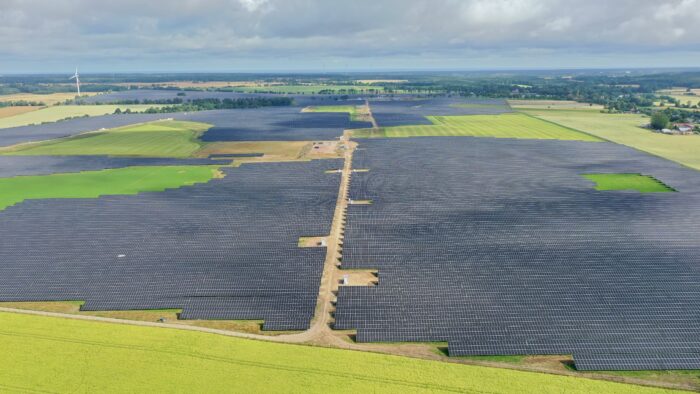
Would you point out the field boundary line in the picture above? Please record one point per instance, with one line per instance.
(617, 143)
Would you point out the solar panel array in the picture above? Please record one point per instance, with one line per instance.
(410, 110)
(47, 131)
(163, 94)
(274, 124)
(256, 124)
(222, 250)
(500, 247)
(44, 165)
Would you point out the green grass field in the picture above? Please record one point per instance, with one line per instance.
(476, 105)
(46, 354)
(495, 126)
(553, 104)
(92, 184)
(348, 109)
(637, 182)
(156, 139)
(60, 112)
(683, 99)
(625, 129)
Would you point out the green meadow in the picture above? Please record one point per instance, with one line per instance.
(93, 184)
(493, 126)
(156, 139)
(47, 354)
(60, 112)
(349, 109)
(627, 129)
(636, 182)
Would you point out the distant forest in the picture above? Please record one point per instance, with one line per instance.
(618, 90)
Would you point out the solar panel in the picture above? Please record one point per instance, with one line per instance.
(499, 246)
(222, 250)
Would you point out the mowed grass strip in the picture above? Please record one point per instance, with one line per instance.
(626, 129)
(155, 139)
(60, 112)
(553, 104)
(351, 110)
(518, 126)
(93, 184)
(61, 355)
(637, 182)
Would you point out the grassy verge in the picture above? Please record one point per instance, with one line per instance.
(170, 316)
(553, 104)
(477, 105)
(626, 129)
(155, 139)
(637, 182)
(358, 113)
(61, 355)
(494, 126)
(272, 150)
(92, 184)
(60, 112)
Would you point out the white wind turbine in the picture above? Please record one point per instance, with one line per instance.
(77, 80)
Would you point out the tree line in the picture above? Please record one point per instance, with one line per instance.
(178, 105)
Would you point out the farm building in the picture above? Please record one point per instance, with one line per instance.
(684, 128)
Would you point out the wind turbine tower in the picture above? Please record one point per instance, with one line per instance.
(77, 80)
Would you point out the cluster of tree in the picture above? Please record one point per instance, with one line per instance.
(678, 103)
(15, 88)
(173, 101)
(663, 118)
(22, 103)
(630, 103)
(213, 103)
(659, 120)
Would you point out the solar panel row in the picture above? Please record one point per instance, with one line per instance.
(222, 250)
(501, 247)
(413, 110)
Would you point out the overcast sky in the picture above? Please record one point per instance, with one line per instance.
(345, 35)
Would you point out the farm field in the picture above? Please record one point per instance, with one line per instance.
(199, 84)
(636, 182)
(681, 94)
(350, 109)
(93, 184)
(48, 99)
(358, 113)
(626, 129)
(517, 126)
(60, 112)
(272, 150)
(683, 99)
(108, 357)
(552, 104)
(306, 89)
(155, 139)
(475, 105)
(6, 112)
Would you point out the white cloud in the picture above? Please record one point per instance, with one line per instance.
(252, 5)
(309, 31)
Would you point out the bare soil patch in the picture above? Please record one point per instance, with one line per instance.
(6, 112)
